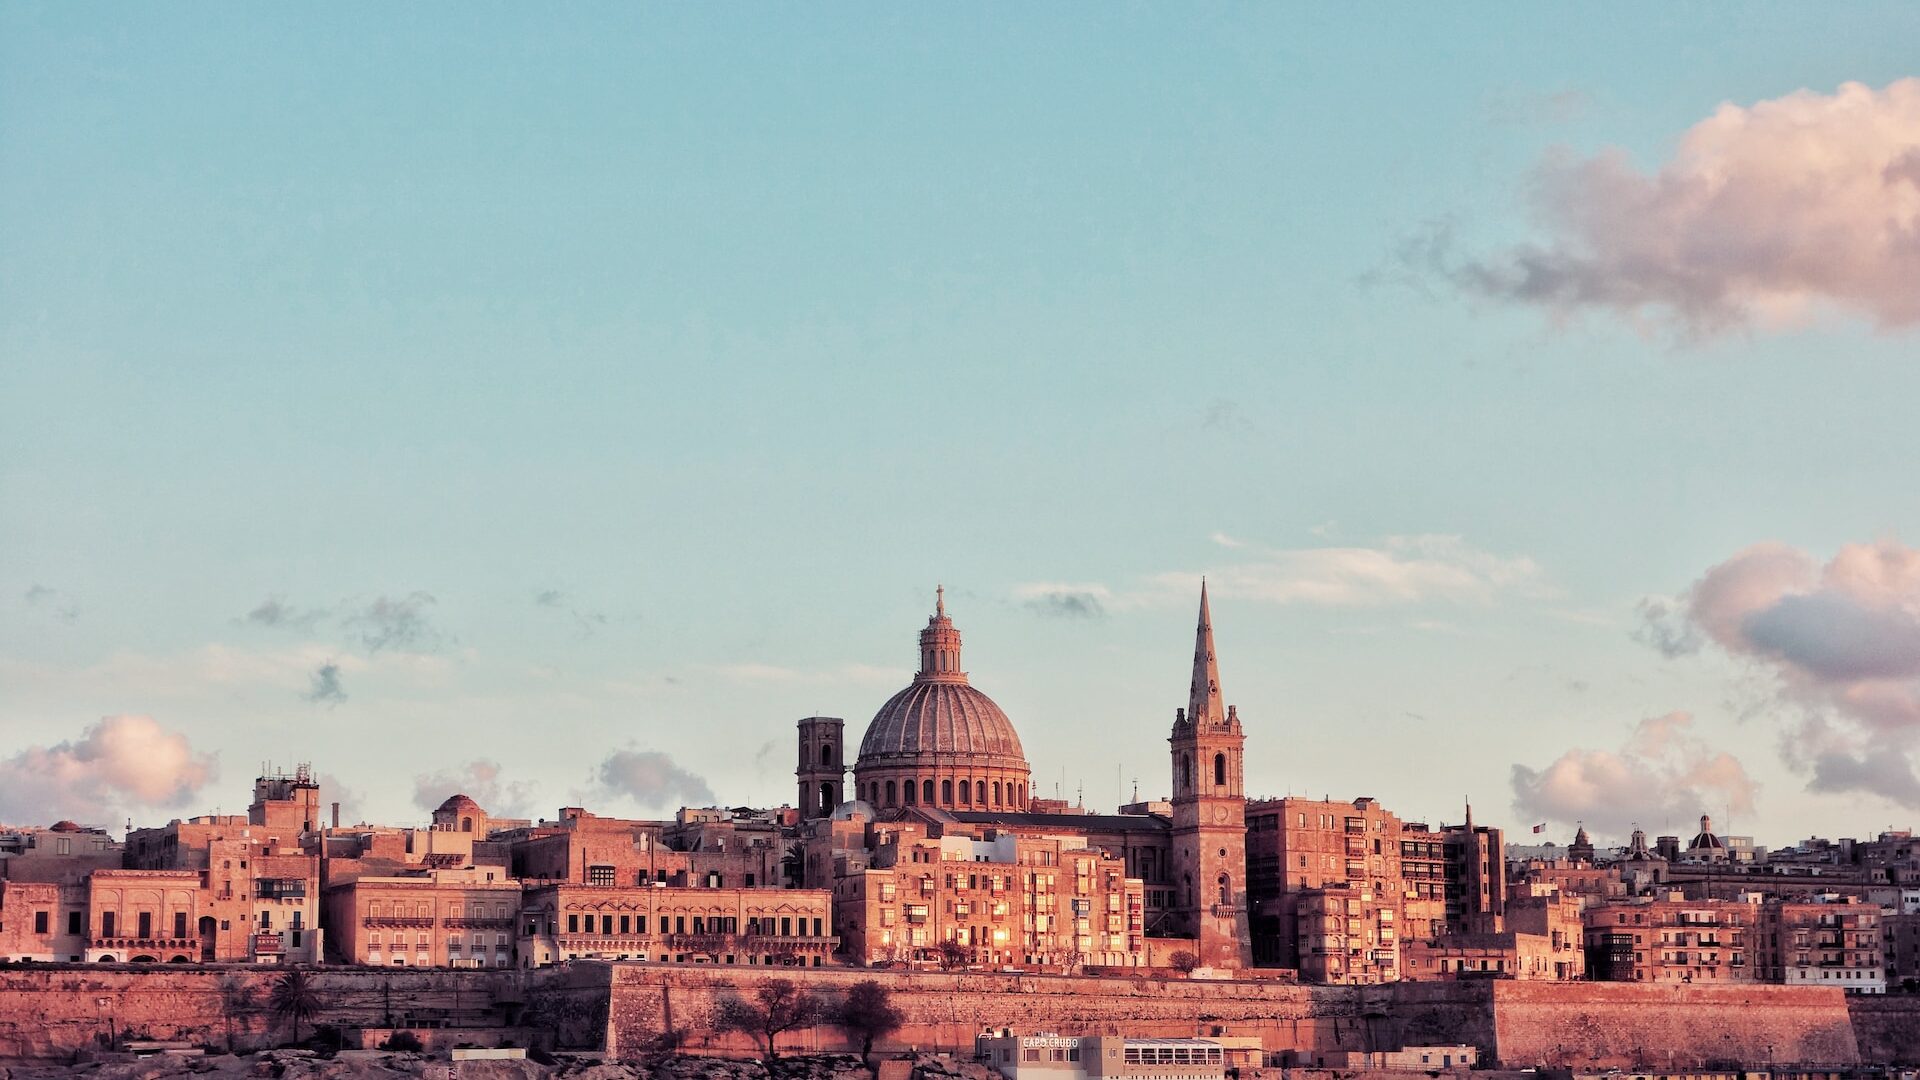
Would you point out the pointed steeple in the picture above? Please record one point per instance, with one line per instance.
(1204, 704)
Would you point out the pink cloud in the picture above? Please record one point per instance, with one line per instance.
(1842, 642)
(120, 765)
(1663, 774)
(1763, 214)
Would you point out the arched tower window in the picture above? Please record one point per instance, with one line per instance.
(826, 798)
(996, 793)
(826, 754)
(926, 788)
(889, 793)
(909, 793)
(966, 792)
(1186, 772)
(1219, 770)
(980, 792)
(466, 824)
(1226, 889)
(946, 793)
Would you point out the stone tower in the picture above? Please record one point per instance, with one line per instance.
(823, 765)
(1210, 814)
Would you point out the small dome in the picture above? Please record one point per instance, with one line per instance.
(854, 808)
(1706, 840)
(1580, 836)
(457, 802)
(63, 825)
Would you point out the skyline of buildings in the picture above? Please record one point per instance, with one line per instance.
(937, 854)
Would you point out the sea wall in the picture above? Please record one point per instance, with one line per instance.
(49, 1012)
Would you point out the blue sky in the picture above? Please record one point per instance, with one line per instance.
(618, 377)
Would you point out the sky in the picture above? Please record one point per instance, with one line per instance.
(557, 403)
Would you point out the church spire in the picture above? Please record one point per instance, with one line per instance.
(1204, 705)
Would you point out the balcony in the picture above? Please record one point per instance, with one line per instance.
(398, 922)
(478, 924)
(158, 944)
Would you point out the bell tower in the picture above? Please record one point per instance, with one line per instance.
(822, 773)
(1210, 814)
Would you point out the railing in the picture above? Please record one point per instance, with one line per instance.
(405, 922)
(145, 943)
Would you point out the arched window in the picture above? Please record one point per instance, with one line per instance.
(910, 793)
(466, 824)
(966, 792)
(826, 798)
(926, 788)
(826, 754)
(889, 793)
(980, 792)
(1219, 770)
(713, 879)
(1186, 772)
(1226, 889)
(946, 793)
(996, 793)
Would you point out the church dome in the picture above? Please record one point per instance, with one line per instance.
(944, 718)
(940, 741)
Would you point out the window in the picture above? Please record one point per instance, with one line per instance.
(76, 923)
(600, 875)
(39, 922)
(180, 923)
(946, 793)
(926, 789)
(1219, 770)
(107, 927)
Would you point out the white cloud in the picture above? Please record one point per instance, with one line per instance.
(776, 673)
(650, 779)
(482, 781)
(119, 765)
(1663, 774)
(1762, 214)
(1842, 643)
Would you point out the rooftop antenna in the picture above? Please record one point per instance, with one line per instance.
(1136, 789)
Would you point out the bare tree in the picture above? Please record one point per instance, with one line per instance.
(868, 1013)
(1183, 961)
(777, 1006)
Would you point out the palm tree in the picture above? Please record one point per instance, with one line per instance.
(294, 999)
(236, 1000)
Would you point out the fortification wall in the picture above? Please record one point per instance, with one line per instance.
(46, 1013)
(1623, 1025)
(945, 1011)
(1513, 1023)
(49, 1012)
(1887, 1028)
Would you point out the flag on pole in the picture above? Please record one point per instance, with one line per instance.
(1540, 828)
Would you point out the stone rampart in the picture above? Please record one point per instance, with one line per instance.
(1513, 1023)
(1608, 1025)
(49, 1012)
(1887, 1028)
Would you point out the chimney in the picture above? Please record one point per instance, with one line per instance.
(336, 815)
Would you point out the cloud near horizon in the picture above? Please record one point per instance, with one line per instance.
(1764, 214)
(1400, 570)
(1842, 643)
(650, 779)
(1663, 777)
(119, 764)
(482, 781)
